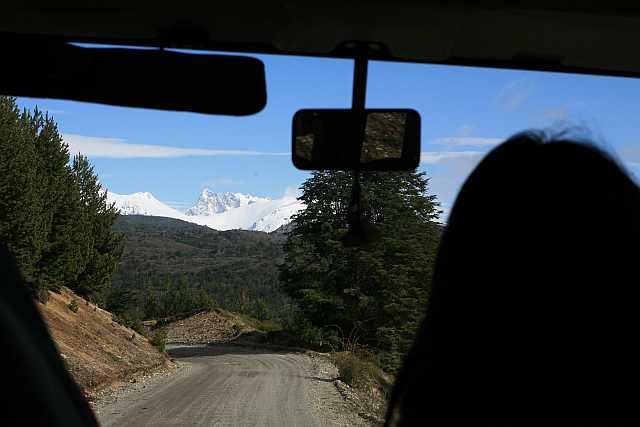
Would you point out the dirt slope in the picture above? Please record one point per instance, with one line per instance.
(215, 326)
(202, 328)
(97, 351)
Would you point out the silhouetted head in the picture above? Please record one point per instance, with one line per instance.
(534, 312)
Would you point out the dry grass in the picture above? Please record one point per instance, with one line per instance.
(97, 351)
(358, 367)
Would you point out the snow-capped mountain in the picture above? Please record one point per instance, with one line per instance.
(220, 211)
(262, 215)
(279, 215)
(211, 203)
(142, 204)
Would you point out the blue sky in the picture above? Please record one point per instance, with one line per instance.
(465, 111)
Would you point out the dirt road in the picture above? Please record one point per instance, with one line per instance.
(235, 386)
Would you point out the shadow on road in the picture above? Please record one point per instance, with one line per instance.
(219, 350)
(324, 380)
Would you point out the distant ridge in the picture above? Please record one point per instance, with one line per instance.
(220, 211)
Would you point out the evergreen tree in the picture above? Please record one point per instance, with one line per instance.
(183, 297)
(376, 292)
(168, 305)
(105, 246)
(65, 251)
(54, 217)
(204, 300)
(21, 208)
(150, 302)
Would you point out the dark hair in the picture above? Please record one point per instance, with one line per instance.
(533, 314)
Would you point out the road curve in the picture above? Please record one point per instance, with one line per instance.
(234, 386)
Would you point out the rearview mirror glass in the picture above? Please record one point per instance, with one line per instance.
(372, 139)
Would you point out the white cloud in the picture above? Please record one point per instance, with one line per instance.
(118, 148)
(448, 174)
(467, 140)
(431, 157)
(515, 94)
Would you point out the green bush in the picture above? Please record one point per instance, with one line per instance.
(136, 325)
(260, 310)
(308, 334)
(131, 322)
(73, 306)
(204, 301)
(159, 340)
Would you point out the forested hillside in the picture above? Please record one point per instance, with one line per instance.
(54, 217)
(171, 266)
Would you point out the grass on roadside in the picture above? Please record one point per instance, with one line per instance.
(159, 340)
(359, 368)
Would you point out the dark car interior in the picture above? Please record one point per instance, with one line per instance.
(87, 49)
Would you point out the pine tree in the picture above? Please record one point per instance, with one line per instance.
(378, 291)
(150, 302)
(105, 245)
(21, 210)
(204, 300)
(53, 217)
(65, 252)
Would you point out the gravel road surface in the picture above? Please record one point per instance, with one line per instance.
(229, 385)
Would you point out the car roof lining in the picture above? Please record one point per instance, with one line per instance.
(536, 35)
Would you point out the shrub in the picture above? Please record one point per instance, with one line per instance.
(308, 334)
(357, 365)
(73, 306)
(260, 310)
(360, 368)
(357, 368)
(159, 340)
(205, 302)
(134, 323)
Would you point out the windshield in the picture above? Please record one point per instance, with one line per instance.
(190, 274)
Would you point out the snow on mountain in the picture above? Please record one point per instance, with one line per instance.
(211, 203)
(263, 215)
(220, 211)
(142, 204)
(279, 216)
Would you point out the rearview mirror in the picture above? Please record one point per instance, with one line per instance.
(372, 139)
(145, 78)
